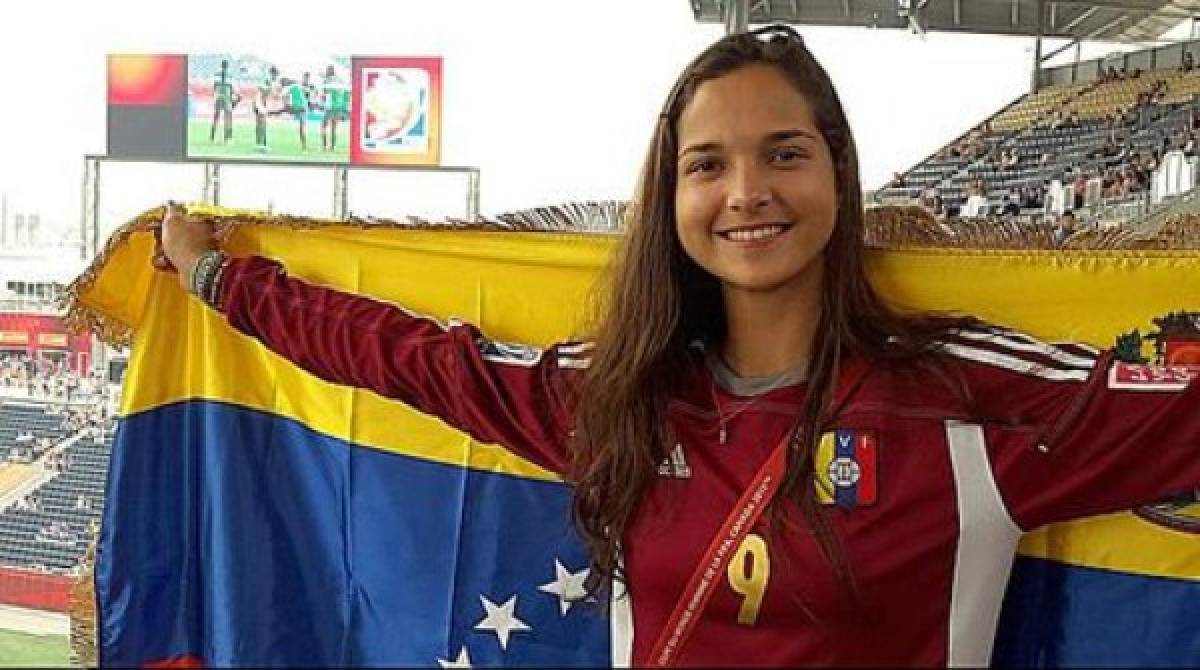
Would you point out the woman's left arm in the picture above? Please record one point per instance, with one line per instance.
(1098, 435)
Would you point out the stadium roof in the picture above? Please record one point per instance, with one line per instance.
(1091, 20)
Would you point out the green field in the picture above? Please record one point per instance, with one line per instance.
(283, 138)
(21, 650)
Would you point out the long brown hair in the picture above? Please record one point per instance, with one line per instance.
(658, 301)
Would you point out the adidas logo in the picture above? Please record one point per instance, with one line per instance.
(675, 465)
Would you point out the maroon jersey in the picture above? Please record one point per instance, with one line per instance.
(928, 490)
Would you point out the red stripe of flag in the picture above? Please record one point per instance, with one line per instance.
(864, 453)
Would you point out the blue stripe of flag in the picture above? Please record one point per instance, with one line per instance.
(247, 539)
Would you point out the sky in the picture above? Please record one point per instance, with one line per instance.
(553, 100)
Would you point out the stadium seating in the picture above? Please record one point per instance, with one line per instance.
(1034, 106)
(1058, 133)
(21, 420)
(50, 528)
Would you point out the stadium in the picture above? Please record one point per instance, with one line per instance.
(1099, 155)
(57, 421)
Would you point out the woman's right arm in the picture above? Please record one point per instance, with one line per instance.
(504, 394)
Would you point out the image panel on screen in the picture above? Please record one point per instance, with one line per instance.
(397, 111)
(258, 107)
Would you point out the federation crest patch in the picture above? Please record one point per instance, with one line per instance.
(1167, 359)
(1181, 512)
(846, 468)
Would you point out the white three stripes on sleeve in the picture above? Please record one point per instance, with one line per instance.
(1021, 353)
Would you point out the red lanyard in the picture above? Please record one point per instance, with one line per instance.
(700, 587)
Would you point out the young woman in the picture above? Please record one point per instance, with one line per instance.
(746, 363)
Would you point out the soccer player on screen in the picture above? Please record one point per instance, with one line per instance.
(224, 101)
(297, 102)
(267, 90)
(335, 97)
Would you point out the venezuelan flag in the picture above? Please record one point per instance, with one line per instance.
(259, 516)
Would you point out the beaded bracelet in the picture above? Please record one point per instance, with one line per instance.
(213, 297)
(201, 267)
(203, 281)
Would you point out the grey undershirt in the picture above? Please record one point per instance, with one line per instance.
(747, 387)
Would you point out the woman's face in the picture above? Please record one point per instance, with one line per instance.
(756, 197)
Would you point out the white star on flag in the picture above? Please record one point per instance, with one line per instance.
(567, 586)
(501, 620)
(463, 660)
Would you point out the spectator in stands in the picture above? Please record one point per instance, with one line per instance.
(976, 204)
(1110, 184)
(1150, 161)
(1033, 196)
(1012, 203)
(1009, 159)
(931, 201)
(1080, 188)
(1065, 227)
(1129, 116)
(1188, 62)
(1132, 181)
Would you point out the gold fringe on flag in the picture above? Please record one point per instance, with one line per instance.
(893, 227)
(81, 609)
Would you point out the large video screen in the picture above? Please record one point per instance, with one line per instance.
(325, 109)
(250, 106)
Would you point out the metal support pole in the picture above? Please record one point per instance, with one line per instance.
(212, 184)
(737, 16)
(341, 197)
(85, 201)
(89, 210)
(1035, 79)
(472, 195)
(95, 209)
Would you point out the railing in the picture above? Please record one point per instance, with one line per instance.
(1185, 203)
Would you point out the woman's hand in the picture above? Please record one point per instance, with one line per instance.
(182, 240)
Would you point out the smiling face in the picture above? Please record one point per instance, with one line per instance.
(756, 195)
